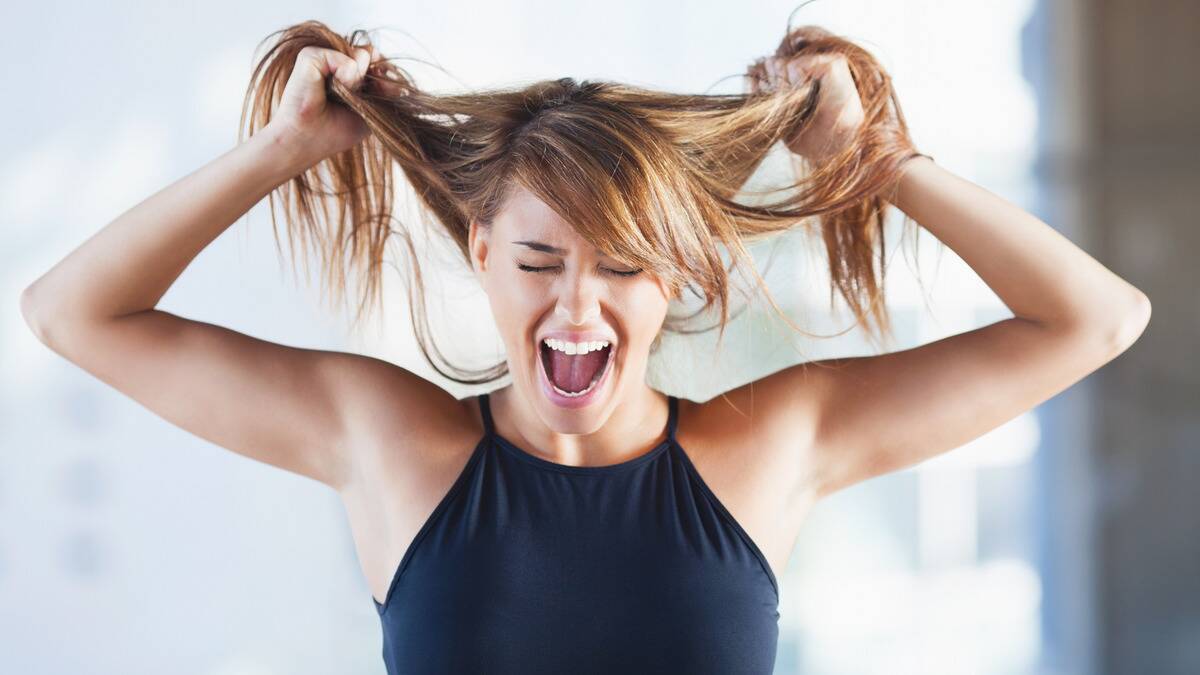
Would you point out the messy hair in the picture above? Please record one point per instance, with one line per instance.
(648, 177)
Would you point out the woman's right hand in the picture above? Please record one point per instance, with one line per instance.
(305, 117)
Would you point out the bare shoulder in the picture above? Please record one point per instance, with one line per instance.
(412, 439)
(752, 446)
(756, 429)
(403, 426)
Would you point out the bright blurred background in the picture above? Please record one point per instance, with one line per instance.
(1063, 542)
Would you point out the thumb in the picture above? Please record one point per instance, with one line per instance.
(346, 69)
(358, 66)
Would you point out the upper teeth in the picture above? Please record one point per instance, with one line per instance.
(575, 347)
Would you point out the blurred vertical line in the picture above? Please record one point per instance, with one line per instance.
(1054, 62)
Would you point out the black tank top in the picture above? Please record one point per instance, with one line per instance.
(529, 566)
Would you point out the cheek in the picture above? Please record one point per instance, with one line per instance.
(642, 310)
(517, 303)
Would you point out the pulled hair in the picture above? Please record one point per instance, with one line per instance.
(650, 178)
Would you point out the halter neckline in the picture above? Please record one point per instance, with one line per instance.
(489, 430)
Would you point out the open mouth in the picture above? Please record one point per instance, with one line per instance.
(573, 369)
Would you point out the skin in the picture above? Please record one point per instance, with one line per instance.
(391, 443)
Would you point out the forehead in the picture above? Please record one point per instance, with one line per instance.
(523, 211)
(525, 217)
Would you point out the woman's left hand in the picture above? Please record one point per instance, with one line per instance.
(839, 111)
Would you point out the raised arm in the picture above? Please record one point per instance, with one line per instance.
(877, 414)
(864, 416)
(290, 407)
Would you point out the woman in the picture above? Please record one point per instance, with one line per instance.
(577, 520)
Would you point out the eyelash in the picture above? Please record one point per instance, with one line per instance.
(542, 270)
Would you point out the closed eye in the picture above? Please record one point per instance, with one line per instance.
(540, 270)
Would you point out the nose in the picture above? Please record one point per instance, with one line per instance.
(578, 303)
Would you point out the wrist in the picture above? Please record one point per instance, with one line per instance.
(915, 155)
(284, 149)
(835, 143)
(909, 171)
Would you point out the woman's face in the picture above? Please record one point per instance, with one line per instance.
(544, 281)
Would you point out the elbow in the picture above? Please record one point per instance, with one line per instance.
(1132, 324)
(29, 313)
(1109, 332)
(34, 312)
(56, 323)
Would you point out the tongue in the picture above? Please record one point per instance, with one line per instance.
(574, 373)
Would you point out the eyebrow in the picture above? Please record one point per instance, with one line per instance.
(546, 248)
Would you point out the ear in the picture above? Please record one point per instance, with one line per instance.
(667, 292)
(477, 245)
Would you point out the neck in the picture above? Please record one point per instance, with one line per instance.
(636, 425)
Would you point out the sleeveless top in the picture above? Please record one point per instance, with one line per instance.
(529, 566)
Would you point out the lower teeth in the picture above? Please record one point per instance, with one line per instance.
(569, 394)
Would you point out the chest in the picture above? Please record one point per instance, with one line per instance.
(555, 517)
(508, 609)
(640, 564)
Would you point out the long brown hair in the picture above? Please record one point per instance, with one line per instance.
(648, 177)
